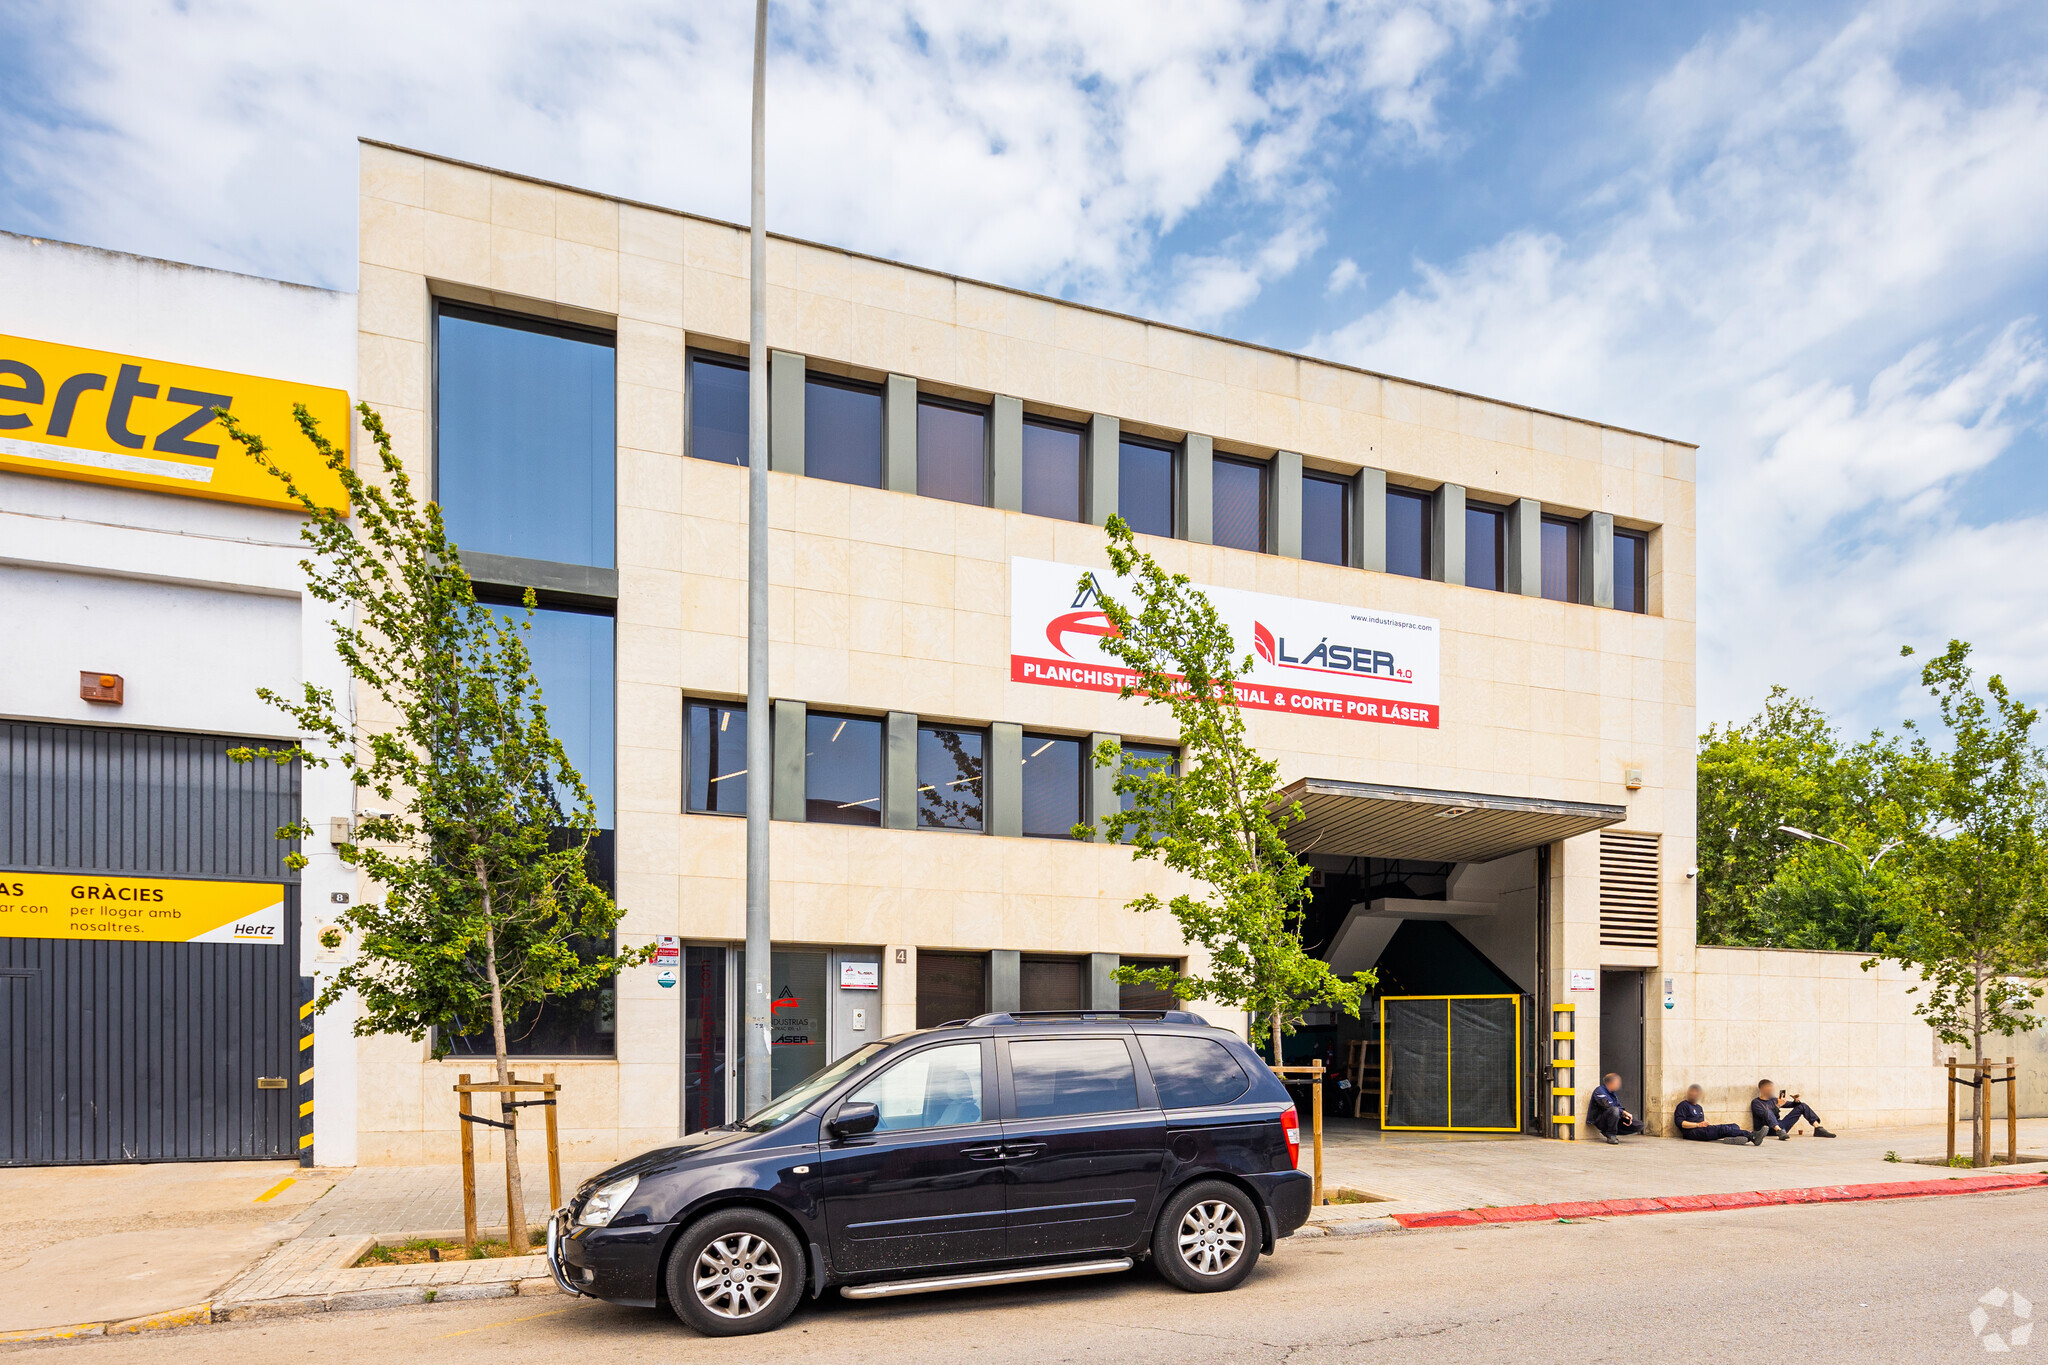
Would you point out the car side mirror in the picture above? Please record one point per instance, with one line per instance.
(852, 1120)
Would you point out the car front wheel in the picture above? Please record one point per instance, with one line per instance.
(1208, 1237)
(735, 1272)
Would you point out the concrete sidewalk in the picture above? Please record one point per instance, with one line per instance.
(1413, 1173)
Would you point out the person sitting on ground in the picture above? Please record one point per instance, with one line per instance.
(1693, 1125)
(1606, 1114)
(1768, 1102)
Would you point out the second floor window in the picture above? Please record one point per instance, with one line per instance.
(1631, 549)
(1325, 518)
(1054, 766)
(1052, 470)
(524, 436)
(1144, 493)
(952, 452)
(1408, 532)
(718, 759)
(948, 777)
(842, 770)
(718, 410)
(1560, 559)
(842, 432)
(1485, 546)
(1239, 503)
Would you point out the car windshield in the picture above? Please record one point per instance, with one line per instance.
(790, 1103)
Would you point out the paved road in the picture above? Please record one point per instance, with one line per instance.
(1864, 1283)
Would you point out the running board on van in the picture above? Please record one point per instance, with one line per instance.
(1041, 1272)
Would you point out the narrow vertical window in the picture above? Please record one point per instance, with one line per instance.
(842, 769)
(952, 452)
(718, 410)
(1325, 518)
(1052, 470)
(1053, 766)
(718, 759)
(1408, 532)
(1144, 495)
(842, 431)
(1630, 551)
(948, 777)
(1560, 559)
(1485, 546)
(1239, 503)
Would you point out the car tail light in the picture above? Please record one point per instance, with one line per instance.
(1290, 1127)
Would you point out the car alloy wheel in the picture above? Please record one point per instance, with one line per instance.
(1211, 1237)
(737, 1275)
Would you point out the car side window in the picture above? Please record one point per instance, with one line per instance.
(1190, 1073)
(1060, 1078)
(939, 1087)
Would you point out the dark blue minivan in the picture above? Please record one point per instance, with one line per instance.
(990, 1151)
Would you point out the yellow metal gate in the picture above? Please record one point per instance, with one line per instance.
(1451, 1063)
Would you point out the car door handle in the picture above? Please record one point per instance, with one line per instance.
(982, 1153)
(1022, 1149)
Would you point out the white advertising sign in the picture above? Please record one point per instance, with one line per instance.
(860, 976)
(1309, 658)
(1584, 980)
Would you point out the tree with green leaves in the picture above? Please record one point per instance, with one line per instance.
(1974, 931)
(1217, 816)
(481, 870)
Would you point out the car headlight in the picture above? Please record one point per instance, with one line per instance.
(606, 1201)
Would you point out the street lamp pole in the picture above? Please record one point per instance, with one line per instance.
(757, 1089)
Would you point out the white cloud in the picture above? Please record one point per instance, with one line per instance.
(1791, 263)
(1344, 276)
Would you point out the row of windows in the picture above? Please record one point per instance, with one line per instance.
(844, 772)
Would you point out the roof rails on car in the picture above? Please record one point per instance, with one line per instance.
(1079, 1016)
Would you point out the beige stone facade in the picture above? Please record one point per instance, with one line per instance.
(888, 601)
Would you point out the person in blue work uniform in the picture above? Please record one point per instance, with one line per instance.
(1605, 1113)
(1693, 1126)
(1767, 1104)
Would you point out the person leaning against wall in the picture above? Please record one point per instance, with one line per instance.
(1691, 1116)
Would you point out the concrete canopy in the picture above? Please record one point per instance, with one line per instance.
(1366, 820)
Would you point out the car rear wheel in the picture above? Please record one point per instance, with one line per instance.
(1208, 1237)
(735, 1272)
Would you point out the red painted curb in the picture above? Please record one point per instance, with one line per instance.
(1740, 1199)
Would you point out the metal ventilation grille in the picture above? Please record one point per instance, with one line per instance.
(1628, 890)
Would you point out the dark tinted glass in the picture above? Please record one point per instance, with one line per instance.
(1325, 518)
(1191, 1072)
(1628, 571)
(524, 438)
(1052, 785)
(1148, 758)
(1561, 560)
(1052, 471)
(1142, 997)
(1485, 528)
(704, 1055)
(1239, 504)
(952, 453)
(1052, 983)
(842, 770)
(573, 662)
(948, 777)
(1062, 1077)
(1144, 488)
(718, 411)
(1407, 533)
(950, 986)
(718, 759)
(843, 433)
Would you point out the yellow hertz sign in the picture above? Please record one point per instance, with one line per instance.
(117, 419)
(139, 909)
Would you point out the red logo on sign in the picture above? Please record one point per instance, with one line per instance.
(1262, 641)
(1077, 623)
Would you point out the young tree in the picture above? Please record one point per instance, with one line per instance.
(1974, 931)
(483, 868)
(1218, 817)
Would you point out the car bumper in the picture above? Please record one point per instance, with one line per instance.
(620, 1265)
(1286, 1195)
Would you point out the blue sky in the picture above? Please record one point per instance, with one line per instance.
(1811, 237)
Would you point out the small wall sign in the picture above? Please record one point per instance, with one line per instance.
(1584, 980)
(860, 976)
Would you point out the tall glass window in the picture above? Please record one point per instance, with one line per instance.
(1560, 559)
(1146, 758)
(1485, 546)
(573, 663)
(1053, 770)
(842, 431)
(718, 410)
(718, 759)
(524, 436)
(1238, 506)
(1631, 549)
(949, 777)
(1408, 532)
(1052, 470)
(1325, 518)
(705, 1063)
(1144, 487)
(842, 770)
(952, 452)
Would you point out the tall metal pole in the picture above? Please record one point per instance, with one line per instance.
(758, 1089)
